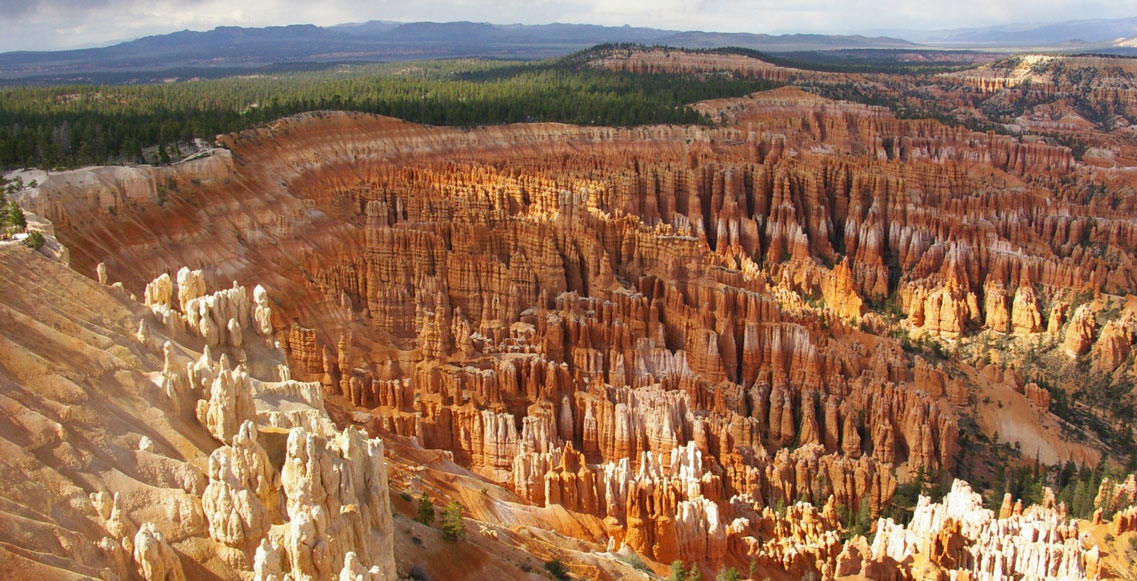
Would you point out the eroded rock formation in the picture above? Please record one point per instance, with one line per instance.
(201, 507)
(666, 330)
(961, 536)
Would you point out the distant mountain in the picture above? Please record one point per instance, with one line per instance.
(1073, 33)
(225, 46)
(590, 34)
(371, 27)
(225, 50)
(781, 43)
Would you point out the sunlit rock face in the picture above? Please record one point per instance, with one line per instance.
(158, 469)
(961, 536)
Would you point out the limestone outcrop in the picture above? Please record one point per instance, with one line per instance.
(156, 560)
(337, 503)
(242, 497)
(1115, 496)
(1113, 345)
(1080, 332)
(229, 402)
(1026, 317)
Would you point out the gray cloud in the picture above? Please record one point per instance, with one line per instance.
(16, 9)
(54, 24)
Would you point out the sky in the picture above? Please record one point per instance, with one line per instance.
(60, 24)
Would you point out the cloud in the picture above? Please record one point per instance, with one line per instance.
(15, 9)
(63, 9)
(54, 24)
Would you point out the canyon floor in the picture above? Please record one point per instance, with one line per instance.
(812, 340)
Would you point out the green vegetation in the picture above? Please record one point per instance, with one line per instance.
(1082, 404)
(635, 562)
(1022, 482)
(10, 186)
(425, 513)
(34, 240)
(859, 521)
(1078, 488)
(73, 125)
(904, 102)
(885, 61)
(557, 569)
(730, 574)
(933, 484)
(1074, 486)
(12, 219)
(927, 346)
(679, 573)
(453, 529)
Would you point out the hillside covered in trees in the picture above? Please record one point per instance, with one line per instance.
(67, 126)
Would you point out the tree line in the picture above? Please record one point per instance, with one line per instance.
(68, 126)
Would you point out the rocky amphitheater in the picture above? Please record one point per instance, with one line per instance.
(614, 348)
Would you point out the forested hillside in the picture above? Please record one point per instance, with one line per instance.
(75, 125)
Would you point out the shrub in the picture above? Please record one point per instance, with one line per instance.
(677, 572)
(34, 241)
(635, 561)
(731, 574)
(557, 570)
(425, 510)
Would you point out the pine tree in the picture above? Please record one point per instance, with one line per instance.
(425, 510)
(678, 573)
(1083, 502)
(453, 529)
(731, 574)
(12, 218)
